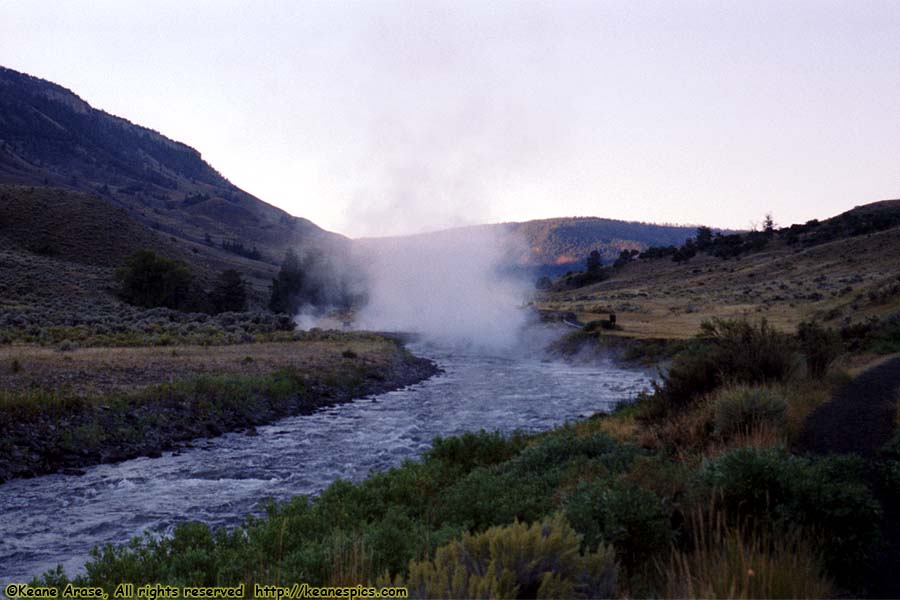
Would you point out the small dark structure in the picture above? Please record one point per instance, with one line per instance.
(612, 319)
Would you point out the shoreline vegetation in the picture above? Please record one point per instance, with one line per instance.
(66, 408)
(698, 489)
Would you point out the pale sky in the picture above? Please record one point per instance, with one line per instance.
(376, 118)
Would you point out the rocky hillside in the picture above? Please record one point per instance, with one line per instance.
(50, 137)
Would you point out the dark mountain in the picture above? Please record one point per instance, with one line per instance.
(51, 137)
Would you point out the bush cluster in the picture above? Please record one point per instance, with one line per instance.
(727, 351)
(559, 514)
(541, 560)
(619, 512)
(742, 408)
(130, 326)
(150, 281)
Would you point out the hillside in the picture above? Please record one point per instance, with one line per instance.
(72, 226)
(843, 270)
(51, 137)
(47, 234)
(565, 242)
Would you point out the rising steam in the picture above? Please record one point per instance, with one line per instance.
(453, 287)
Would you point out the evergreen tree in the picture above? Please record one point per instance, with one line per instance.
(229, 293)
(704, 237)
(287, 286)
(149, 280)
(593, 263)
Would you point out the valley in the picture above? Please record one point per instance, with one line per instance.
(201, 389)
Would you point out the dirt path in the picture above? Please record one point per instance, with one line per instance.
(859, 419)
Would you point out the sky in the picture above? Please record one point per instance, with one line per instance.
(382, 118)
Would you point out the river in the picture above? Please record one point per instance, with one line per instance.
(57, 519)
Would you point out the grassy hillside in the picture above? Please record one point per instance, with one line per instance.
(62, 247)
(76, 227)
(842, 271)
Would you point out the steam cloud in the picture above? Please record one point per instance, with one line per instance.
(453, 287)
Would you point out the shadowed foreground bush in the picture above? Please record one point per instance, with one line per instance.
(743, 408)
(629, 517)
(725, 352)
(731, 351)
(730, 562)
(541, 560)
(782, 492)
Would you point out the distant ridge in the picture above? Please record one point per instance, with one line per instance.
(554, 246)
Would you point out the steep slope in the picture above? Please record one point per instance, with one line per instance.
(51, 137)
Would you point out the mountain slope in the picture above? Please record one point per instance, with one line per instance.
(51, 137)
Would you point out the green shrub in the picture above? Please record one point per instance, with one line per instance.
(891, 467)
(623, 514)
(728, 351)
(827, 496)
(515, 561)
(742, 408)
(886, 337)
(525, 487)
(463, 453)
(66, 346)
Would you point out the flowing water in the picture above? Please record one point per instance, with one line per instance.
(57, 519)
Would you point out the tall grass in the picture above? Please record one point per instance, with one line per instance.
(727, 561)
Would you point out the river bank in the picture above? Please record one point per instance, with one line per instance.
(58, 519)
(62, 412)
(602, 339)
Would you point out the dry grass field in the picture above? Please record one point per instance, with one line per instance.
(99, 371)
